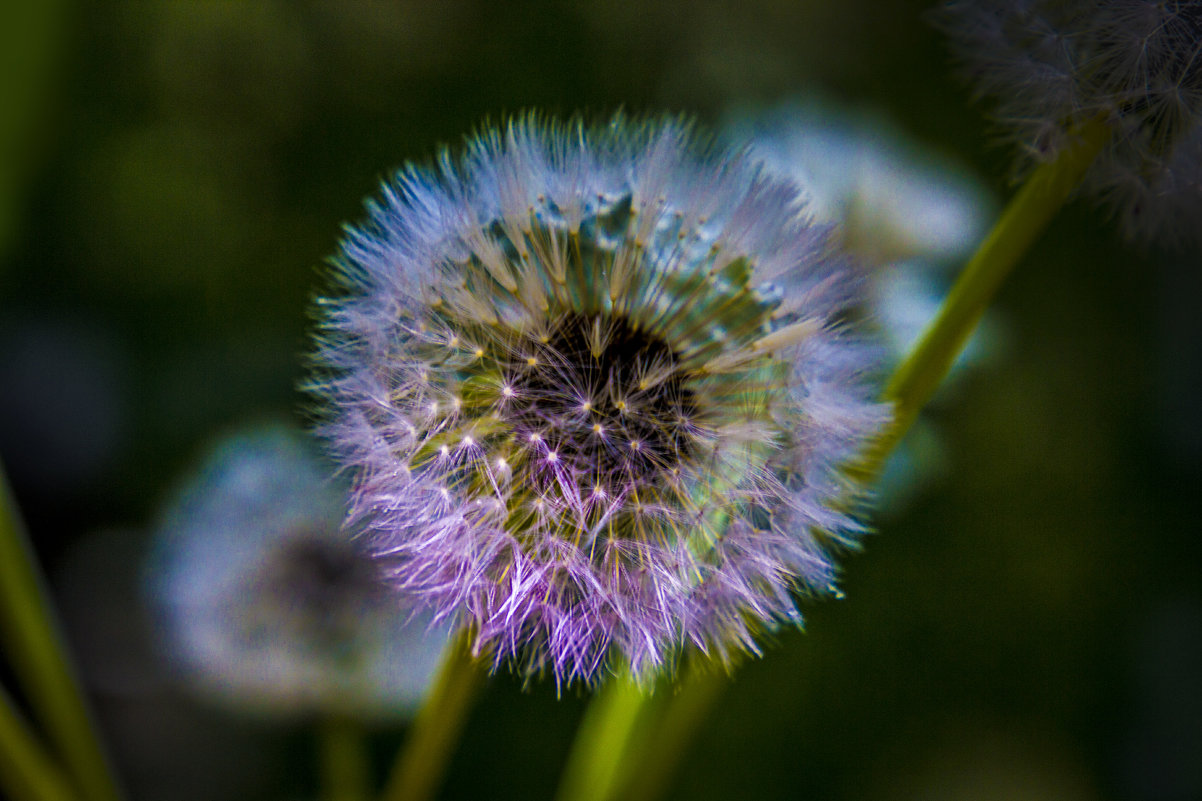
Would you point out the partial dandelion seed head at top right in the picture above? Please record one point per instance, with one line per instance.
(1049, 67)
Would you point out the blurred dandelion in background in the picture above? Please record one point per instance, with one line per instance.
(266, 604)
(595, 390)
(894, 200)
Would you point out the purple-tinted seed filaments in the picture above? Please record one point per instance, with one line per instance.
(594, 393)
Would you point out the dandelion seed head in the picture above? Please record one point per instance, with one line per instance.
(660, 393)
(267, 605)
(1050, 66)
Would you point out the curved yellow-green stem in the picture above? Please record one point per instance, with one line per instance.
(625, 721)
(675, 722)
(1025, 217)
(602, 746)
(36, 651)
(426, 752)
(26, 770)
(605, 737)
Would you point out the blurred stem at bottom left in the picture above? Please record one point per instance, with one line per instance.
(26, 771)
(37, 653)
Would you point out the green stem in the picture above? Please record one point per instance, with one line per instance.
(345, 772)
(911, 386)
(26, 771)
(38, 655)
(607, 733)
(678, 721)
(426, 752)
(1028, 213)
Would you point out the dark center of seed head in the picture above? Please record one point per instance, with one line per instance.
(621, 412)
(323, 576)
(311, 593)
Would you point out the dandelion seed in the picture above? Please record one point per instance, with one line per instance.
(593, 266)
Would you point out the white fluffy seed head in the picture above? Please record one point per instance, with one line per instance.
(632, 379)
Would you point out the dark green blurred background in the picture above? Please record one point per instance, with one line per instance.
(171, 176)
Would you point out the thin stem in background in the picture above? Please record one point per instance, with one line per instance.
(345, 769)
(424, 756)
(911, 386)
(26, 771)
(37, 653)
